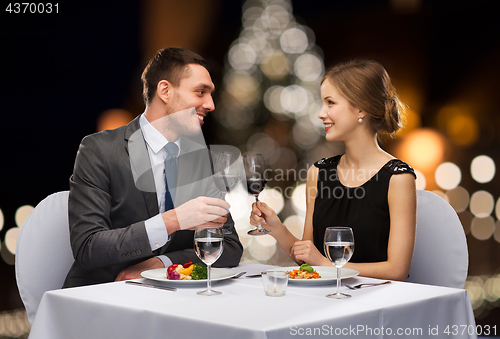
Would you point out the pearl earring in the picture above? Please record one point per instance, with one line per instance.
(360, 120)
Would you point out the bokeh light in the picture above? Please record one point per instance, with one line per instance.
(412, 121)
(264, 144)
(266, 241)
(421, 182)
(22, 213)
(304, 133)
(294, 98)
(441, 194)
(261, 46)
(11, 239)
(294, 40)
(262, 251)
(482, 169)
(1, 219)
(481, 204)
(273, 198)
(272, 99)
(308, 67)
(482, 228)
(448, 175)
(474, 287)
(295, 225)
(497, 209)
(241, 203)
(275, 65)
(243, 87)
(458, 198)
(242, 56)
(463, 129)
(496, 234)
(299, 199)
(459, 124)
(492, 288)
(113, 118)
(285, 161)
(423, 149)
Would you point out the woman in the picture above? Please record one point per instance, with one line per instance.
(366, 188)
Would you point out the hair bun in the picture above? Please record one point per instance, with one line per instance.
(393, 111)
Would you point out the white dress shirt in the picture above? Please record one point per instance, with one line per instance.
(155, 227)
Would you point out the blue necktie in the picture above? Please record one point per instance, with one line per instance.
(170, 174)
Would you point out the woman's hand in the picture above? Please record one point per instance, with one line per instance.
(306, 252)
(264, 215)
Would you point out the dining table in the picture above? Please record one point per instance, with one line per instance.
(243, 310)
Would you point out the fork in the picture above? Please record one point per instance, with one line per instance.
(239, 275)
(355, 287)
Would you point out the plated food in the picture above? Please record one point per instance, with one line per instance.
(304, 272)
(160, 274)
(328, 275)
(187, 271)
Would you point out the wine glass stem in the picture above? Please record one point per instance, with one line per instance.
(259, 226)
(209, 282)
(338, 280)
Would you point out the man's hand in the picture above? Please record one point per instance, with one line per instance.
(200, 211)
(134, 272)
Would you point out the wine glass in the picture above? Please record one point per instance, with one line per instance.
(339, 247)
(208, 247)
(227, 174)
(255, 172)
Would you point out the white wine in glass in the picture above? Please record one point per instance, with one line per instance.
(208, 241)
(339, 247)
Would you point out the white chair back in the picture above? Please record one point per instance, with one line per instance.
(43, 251)
(440, 256)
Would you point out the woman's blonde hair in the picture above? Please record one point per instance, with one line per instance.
(367, 86)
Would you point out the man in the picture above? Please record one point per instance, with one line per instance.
(126, 213)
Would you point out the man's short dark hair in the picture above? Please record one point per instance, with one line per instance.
(168, 64)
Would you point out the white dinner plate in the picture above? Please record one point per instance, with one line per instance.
(160, 274)
(328, 275)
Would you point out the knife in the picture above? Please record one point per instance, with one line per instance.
(254, 275)
(149, 285)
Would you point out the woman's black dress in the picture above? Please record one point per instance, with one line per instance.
(364, 208)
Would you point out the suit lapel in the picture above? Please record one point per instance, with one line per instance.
(140, 163)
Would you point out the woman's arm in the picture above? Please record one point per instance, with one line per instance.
(402, 201)
(305, 251)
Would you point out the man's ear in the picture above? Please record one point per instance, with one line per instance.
(163, 90)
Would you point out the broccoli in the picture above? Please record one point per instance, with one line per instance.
(199, 272)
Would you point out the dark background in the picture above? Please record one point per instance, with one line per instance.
(61, 71)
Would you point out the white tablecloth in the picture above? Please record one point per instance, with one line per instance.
(119, 310)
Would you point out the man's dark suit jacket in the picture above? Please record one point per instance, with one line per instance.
(111, 197)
